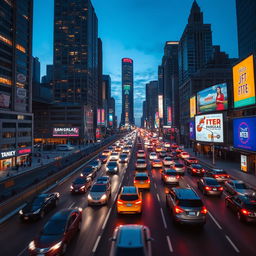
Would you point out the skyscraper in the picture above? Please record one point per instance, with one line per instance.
(127, 117)
(246, 19)
(75, 52)
(16, 142)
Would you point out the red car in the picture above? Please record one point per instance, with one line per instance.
(57, 233)
(190, 160)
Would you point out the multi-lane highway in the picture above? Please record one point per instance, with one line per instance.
(223, 234)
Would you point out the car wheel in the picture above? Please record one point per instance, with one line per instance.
(239, 216)
(56, 203)
(64, 248)
(42, 215)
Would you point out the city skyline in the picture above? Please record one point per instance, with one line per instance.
(118, 42)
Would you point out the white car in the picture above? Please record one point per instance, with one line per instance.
(126, 150)
(153, 156)
(114, 156)
(184, 155)
(168, 161)
(167, 144)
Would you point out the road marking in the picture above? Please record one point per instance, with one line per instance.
(155, 185)
(233, 245)
(225, 194)
(96, 244)
(188, 186)
(71, 205)
(106, 219)
(22, 251)
(169, 243)
(215, 221)
(164, 221)
(158, 198)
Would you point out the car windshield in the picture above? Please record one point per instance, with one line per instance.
(131, 197)
(141, 178)
(141, 161)
(157, 161)
(168, 159)
(79, 181)
(54, 227)
(87, 170)
(212, 182)
(99, 188)
(38, 201)
(241, 186)
(197, 166)
(112, 164)
(114, 154)
(170, 173)
(190, 203)
(123, 156)
(179, 165)
(122, 251)
(220, 172)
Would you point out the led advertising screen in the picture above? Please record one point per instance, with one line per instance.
(209, 128)
(244, 133)
(169, 116)
(65, 132)
(214, 98)
(160, 106)
(244, 83)
(4, 100)
(192, 106)
(110, 119)
(192, 134)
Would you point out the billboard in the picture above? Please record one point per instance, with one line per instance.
(243, 83)
(192, 130)
(209, 128)
(110, 119)
(169, 116)
(192, 106)
(214, 98)
(244, 133)
(244, 166)
(100, 116)
(4, 100)
(65, 132)
(160, 106)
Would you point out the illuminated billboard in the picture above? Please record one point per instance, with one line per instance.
(160, 106)
(192, 106)
(65, 132)
(169, 116)
(110, 119)
(244, 83)
(214, 98)
(209, 128)
(100, 116)
(192, 130)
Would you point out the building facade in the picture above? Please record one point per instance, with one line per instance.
(127, 117)
(16, 118)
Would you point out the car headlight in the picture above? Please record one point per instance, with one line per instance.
(56, 246)
(37, 211)
(107, 169)
(71, 187)
(115, 168)
(20, 212)
(89, 197)
(82, 187)
(81, 174)
(32, 246)
(103, 197)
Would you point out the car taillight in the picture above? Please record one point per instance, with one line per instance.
(220, 188)
(204, 210)
(228, 176)
(119, 202)
(178, 210)
(245, 212)
(138, 202)
(193, 170)
(216, 176)
(148, 181)
(166, 176)
(135, 181)
(207, 188)
(177, 177)
(202, 170)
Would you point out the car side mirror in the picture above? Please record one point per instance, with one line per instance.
(150, 239)
(112, 239)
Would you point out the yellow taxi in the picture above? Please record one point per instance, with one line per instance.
(159, 149)
(156, 163)
(141, 180)
(129, 200)
(106, 152)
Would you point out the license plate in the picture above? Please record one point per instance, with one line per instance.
(192, 213)
(76, 190)
(40, 254)
(141, 182)
(215, 189)
(25, 218)
(129, 205)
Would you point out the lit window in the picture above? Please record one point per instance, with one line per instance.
(5, 81)
(20, 48)
(5, 40)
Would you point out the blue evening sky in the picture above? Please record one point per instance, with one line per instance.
(138, 29)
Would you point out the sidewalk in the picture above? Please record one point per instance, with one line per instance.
(46, 158)
(233, 168)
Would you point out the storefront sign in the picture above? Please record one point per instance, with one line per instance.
(192, 130)
(24, 151)
(192, 106)
(243, 83)
(209, 128)
(243, 163)
(244, 133)
(8, 154)
(65, 132)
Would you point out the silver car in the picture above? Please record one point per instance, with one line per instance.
(99, 193)
(112, 167)
(180, 168)
(238, 187)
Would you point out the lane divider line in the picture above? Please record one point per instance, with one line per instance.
(23, 251)
(164, 221)
(158, 198)
(96, 244)
(155, 185)
(71, 205)
(215, 221)
(169, 244)
(233, 245)
(107, 217)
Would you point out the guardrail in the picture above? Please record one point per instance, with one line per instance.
(9, 205)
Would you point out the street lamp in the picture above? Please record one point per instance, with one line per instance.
(213, 149)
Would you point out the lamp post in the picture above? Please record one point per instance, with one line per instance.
(213, 149)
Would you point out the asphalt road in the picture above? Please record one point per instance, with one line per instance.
(223, 234)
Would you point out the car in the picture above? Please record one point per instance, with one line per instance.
(163, 153)
(167, 144)
(238, 187)
(57, 233)
(158, 149)
(141, 180)
(81, 185)
(131, 240)
(114, 156)
(129, 200)
(104, 178)
(243, 206)
(170, 176)
(96, 164)
(153, 156)
(174, 146)
(106, 152)
(39, 206)
(88, 171)
(118, 148)
(209, 186)
(190, 160)
(156, 163)
(150, 147)
(174, 155)
(103, 158)
(112, 167)
(141, 154)
(183, 155)
(123, 158)
(219, 174)
(185, 206)
(180, 168)
(141, 164)
(99, 193)
(111, 148)
(168, 161)
(196, 169)
(126, 150)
